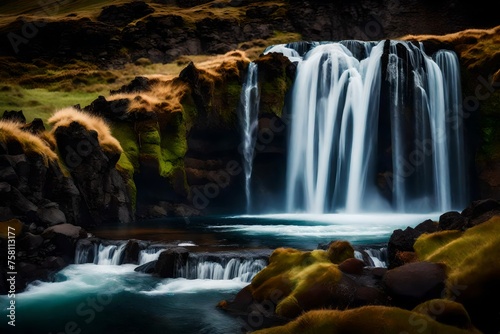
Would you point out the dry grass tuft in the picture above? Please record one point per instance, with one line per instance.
(64, 117)
(30, 143)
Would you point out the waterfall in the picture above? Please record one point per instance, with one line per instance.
(149, 254)
(99, 253)
(223, 266)
(200, 267)
(373, 115)
(449, 64)
(248, 115)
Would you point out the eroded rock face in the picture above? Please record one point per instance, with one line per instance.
(102, 188)
(161, 37)
(122, 15)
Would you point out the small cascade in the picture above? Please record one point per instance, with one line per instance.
(100, 253)
(110, 255)
(223, 268)
(248, 115)
(149, 254)
(373, 257)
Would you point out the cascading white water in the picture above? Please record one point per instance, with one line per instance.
(449, 64)
(243, 269)
(337, 100)
(99, 254)
(333, 136)
(248, 115)
(197, 267)
(149, 254)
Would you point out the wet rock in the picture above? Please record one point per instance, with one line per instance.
(147, 268)
(452, 220)
(169, 260)
(131, 252)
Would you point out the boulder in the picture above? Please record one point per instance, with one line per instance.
(147, 268)
(414, 283)
(481, 210)
(169, 260)
(64, 238)
(452, 220)
(50, 215)
(403, 240)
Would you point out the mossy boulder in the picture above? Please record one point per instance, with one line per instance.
(473, 269)
(297, 281)
(339, 251)
(367, 319)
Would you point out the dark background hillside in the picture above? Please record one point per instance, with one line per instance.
(112, 33)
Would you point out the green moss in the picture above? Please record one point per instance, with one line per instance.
(289, 307)
(286, 260)
(430, 243)
(445, 311)
(469, 259)
(40, 102)
(304, 279)
(128, 164)
(339, 251)
(189, 111)
(226, 99)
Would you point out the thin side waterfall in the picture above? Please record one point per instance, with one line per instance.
(449, 64)
(249, 110)
(375, 127)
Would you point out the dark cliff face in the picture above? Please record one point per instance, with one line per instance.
(375, 20)
(127, 32)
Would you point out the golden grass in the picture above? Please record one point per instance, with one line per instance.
(471, 258)
(366, 319)
(52, 9)
(64, 117)
(478, 48)
(31, 144)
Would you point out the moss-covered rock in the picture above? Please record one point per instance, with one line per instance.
(367, 319)
(303, 280)
(474, 271)
(339, 251)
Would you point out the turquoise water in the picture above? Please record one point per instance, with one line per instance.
(91, 298)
